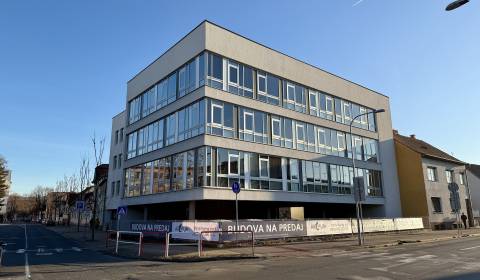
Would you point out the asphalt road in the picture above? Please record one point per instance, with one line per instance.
(43, 259)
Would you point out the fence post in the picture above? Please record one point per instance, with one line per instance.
(200, 244)
(116, 245)
(140, 246)
(167, 237)
(253, 244)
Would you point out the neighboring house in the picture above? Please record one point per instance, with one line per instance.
(218, 108)
(100, 179)
(425, 173)
(60, 206)
(4, 200)
(473, 179)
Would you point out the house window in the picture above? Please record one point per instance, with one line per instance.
(116, 137)
(276, 131)
(114, 162)
(233, 73)
(263, 163)
(437, 204)
(121, 135)
(461, 177)
(449, 176)
(112, 190)
(233, 164)
(313, 103)
(432, 174)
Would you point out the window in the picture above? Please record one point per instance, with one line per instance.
(233, 164)
(263, 164)
(215, 71)
(116, 137)
(118, 188)
(178, 180)
(121, 135)
(262, 86)
(293, 175)
(326, 107)
(171, 129)
(432, 174)
(233, 74)
(114, 162)
(182, 81)
(172, 88)
(300, 133)
(313, 98)
(132, 145)
(268, 88)
(112, 189)
(436, 204)
(147, 179)
(461, 178)
(276, 131)
(119, 165)
(134, 110)
(449, 176)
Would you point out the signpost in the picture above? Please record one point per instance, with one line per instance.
(236, 190)
(121, 210)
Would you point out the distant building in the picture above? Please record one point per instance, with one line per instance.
(100, 180)
(425, 173)
(4, 200)
(218, 108)
(473, 179)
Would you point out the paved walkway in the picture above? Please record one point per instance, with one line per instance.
(280, 248)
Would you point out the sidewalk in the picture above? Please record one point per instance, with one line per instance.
(267, 249)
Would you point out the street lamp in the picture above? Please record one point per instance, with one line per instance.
(456, 4)
(358, 203)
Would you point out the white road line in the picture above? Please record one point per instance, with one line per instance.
(20, 251)
(470, 248)
(58, 250)
(27, 267)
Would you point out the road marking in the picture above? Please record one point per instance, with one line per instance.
(470, 248)
(58, 250)
(76, 249)
(20, 251)
(27, 267)
(40, 250)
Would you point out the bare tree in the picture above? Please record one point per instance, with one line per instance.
(39, 196)
(84, 181)
(98, 152)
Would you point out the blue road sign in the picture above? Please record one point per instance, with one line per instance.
(80, 205)
(236, 187)
(122, 210)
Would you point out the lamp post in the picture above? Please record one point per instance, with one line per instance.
(358, 203)
(456, 4)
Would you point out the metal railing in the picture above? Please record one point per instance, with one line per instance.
(252, 235)
(168, 243)
(119, 240)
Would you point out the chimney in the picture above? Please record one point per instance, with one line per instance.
(412, 136)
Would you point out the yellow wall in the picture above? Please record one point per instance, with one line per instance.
(411, 179)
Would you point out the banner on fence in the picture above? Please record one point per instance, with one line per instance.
(154, 227)
(190, 230)
(408, 223)
(375, 225)
(265, 229)
(328, 227)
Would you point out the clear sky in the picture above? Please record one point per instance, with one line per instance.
(64, 65)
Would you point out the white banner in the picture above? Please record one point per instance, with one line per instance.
(191, 229)
(375, 225)
(328, 227)
(408, 223)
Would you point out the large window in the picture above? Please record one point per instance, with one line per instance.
(253, 126)
(432, 174)
(294, 97)
(135, 110)
(251, 170)
(215, 71)
(268, 88)
(221, 119)
(171, 123)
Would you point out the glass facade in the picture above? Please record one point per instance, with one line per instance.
(219, 167)
(231, 121)
(225, 74)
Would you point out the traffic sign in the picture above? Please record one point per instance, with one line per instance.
(122, 210)
(236, 187)
(80, 205)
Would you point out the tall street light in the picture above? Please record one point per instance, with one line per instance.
(358, 203)
(456, 4)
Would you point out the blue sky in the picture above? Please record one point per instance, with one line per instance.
(64, 65)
